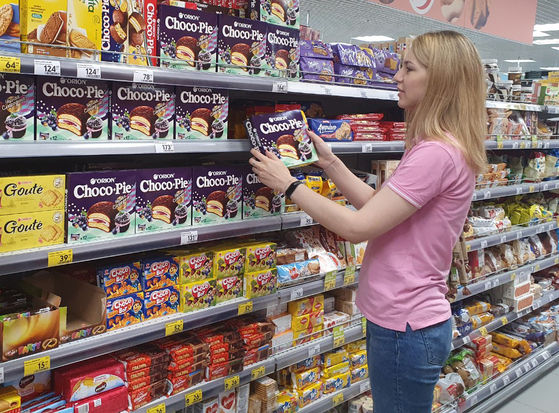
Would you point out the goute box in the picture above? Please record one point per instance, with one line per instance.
(22, 194)
(31, 230)
(10, 400)
(84, 29)
(44, 21)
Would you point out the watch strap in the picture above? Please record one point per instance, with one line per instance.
(291, 188)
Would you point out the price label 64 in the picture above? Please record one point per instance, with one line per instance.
(10, 64)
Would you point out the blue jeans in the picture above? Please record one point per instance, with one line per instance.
(404, 367)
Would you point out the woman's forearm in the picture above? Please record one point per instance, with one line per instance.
(355, 190)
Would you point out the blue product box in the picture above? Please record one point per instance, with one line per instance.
(159, 272)
(332, 130)
(125, 311)
(120, 279)
(164, 301)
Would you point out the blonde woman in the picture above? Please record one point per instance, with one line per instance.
(413, 222)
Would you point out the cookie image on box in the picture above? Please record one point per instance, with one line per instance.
(114, 37)
(17, 107)
(44, 22)
(280, 12)
(202, 113)
(142, 33)
(10, 27)
(102, 216)
(259, 200)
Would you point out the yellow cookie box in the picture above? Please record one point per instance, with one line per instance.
(307, 321)
(35, 16)
(10, 400)
(22, 194)
(310, 394)
(332, 384)
(304, 336)
(306, 305)
(305, 378)
(334, 357)
(31, 230)
(84, 28)
(354, 347)
(336, 369)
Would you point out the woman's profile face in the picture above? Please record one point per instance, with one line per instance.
(412, 82)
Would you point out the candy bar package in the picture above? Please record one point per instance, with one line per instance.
(332, 130)
(229, 261)
(285, 135)
(115, 400)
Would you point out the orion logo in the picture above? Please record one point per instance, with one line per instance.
(94, 181)
(123, 305)
(197, 262)
(119, 274)
(200, 290)
(422, 6)
(160, 268)
(163, 176)
(262, 253)
(217, 173)
(159, 297)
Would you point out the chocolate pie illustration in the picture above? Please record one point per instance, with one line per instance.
(287, 147)
(102, 216)
(143, 119)
(73, 117)
(201, 121)
(188, 49)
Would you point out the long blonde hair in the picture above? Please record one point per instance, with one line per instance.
(454, 102)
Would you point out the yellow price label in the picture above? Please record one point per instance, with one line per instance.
(232, 382)
(468, 247)
(245, 308)
(534, 143)
(337, 399)
(349, 279)
(557, 260)
(504, 321)
(193, 397)
(499, 145)
(36, 365)
(339, 336)
(330, 280)
(537, 268)
(522, 145)
(532, 188)
(174, 327)
(10, 64)
(160, 408)
(60, 257)
(513, 276)
(483, 331)
(257, 373)
(364, 326)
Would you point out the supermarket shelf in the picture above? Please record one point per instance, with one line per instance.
(329, 401)
(522, 144)
(319, 346)
(327, 89)
(491, 104)
(366, 147)
(504, 320)
(312, 288)
(511, 190)
(520, 376)
(554, 110)
(517, 233)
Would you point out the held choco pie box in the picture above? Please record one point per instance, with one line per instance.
(100, 205)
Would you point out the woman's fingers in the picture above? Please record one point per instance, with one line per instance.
(257, 154)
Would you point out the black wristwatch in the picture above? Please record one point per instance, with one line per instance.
(291, 188)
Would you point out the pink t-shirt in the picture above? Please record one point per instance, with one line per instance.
(403, 277)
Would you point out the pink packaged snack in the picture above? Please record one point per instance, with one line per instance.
(115, 400)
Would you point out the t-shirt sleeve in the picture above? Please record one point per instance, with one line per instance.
(422, 175)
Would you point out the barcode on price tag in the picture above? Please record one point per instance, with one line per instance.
(365, 386)
(518, 191)
(143, 76)
(306, 219)
(164, 147)
(88, 70)
(189, 237)
(314, 350)
(47, 67)
(296, 294)
(483, 244)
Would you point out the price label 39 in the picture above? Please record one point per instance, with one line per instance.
(60, 257)
(47, 67)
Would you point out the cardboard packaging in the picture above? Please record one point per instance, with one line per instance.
(197, 295)
(10, 399)
(229, 260)
(114, 40)
(12, 32)
(159, 271)
(277, 12)
(259, 200)
(228, 288)
(44, 22)
(24, 194)
(202, 113)
(164, 301)
(125, 311)
(84, 29)
(194, 265)
(260, 256)
(115, 400)
(283, 51)
(258, 284)
(142, 32)
(30, 387)
(120, 279)
(31, 230)
(17, 111)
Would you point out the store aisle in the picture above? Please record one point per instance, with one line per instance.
(540, 397)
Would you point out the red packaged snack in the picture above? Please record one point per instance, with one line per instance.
(369, 137)
(146, 381)
(394, 125)
(115, 400)
(186, 362)
(191, 369)
(257, 340)
(140, 358)
(182, 383)
(223, 357)
(148, 394)
(257, 354)
(368, 129)
(58, 374)
(216, 371)
(363, 116)
(256, 327)
(148, 371)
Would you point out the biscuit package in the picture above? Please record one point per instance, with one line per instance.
(159, 271)
(228, 288)
(72, 109)
(283, 51)
(187, 38)
(197, 295)
(259, 200)
(125, 311)
(17, 106)
(45, 22)
(142, 32)
(260, 256)
(202, 113)
(120, 279)
(332, 130)
(258, 284)
(164, 301)
(216, 194)
(114, 40)
(84, 29)
(317, 69)
(242, 47)
(163, 200)
(21, 194)
(31, 230)
(229, 261)
(142, 111)
(100, 205)
(285, 135)
(194, 265)
(10, 26)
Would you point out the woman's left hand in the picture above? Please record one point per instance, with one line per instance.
(270, 170)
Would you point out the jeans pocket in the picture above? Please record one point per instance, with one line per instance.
(437, 340)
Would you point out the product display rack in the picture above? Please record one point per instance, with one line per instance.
(331, 400)
(513, 234)
(513, 190)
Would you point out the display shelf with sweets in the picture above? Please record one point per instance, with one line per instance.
(517, 144)
(513, 190)
(504, 320)
(491, 104)
(331, 400)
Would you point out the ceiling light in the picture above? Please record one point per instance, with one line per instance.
(547, 41)
(547, 27)
(522, 60)
(550, 68)
(537, 33)
(556, 48)
(373, 39)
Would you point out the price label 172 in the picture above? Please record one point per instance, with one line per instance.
(36, 365)
(164, 147)
(47, 67)
(296, 294)
(143, 76)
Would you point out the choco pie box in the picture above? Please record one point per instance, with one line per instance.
(201, 113)
(114, 38)
(100, 205)
(216, 194)
(187, 38)
(163, 200)
(283, 51)
(72, 109)
(17, 108)
(142, 111)
(258, 199)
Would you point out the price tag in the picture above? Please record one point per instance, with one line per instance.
(164, 147)
(314, 350)
(174, 327)
(367, 148)
(487, 195)
(160, 408)
(492, 388)
(513, 276)
(473, 400)
(503, 239)
(546, 355)
(496, 282)
(468, 247)
(484, 244)
(504, 321)
(474, 197)
(519, 235)
(192, 398)
(488, 286)
(189, 237)
(536, 268)
(296, 294)
(545, 187)
(546, 145)
(36, 365)
(339, 336)
(365, 386)
(337, 399)
(349, 276)
(1, 375)
(483, 331)
(506, 380)
(280, 86)
(47, 67)
(232, 382)
(535, 363)
(327, 90)
(60, 257)
(330, 280)
(556, 261)
(522, 145)
(257, 373)
(143, 76)
(515, 145)
(306, 219)
(537, 304)
(363, 326)
(245, 308)
(532, 188)
(87, 70)
(499, 145)
(10, 64)
(467, 340)
(518, 373)
(534, 145)
(518, 191)
(527, 368)
(363, 93)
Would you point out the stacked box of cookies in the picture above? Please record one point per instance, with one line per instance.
(84, 29)
(44, 22)
(258, 199)
(353, 65)
(114, 40)
(142, 33)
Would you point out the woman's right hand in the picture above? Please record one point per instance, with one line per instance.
(325, 155)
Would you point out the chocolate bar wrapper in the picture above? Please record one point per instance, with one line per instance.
(138, 359)
(332, 130)
(148, 394)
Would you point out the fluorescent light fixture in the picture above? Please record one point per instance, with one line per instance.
(537, 33)
(556, 48)
(553, 27)
(522, 60)
(547, 41)
(550, 68)
(373, 39)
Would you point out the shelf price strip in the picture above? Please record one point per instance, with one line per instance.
(174, 327)
(60, 257)
(193, 397)
(10, 64)
(349, 276)
(339, 336)
(232, 382)
(160, 408)
(36, 365)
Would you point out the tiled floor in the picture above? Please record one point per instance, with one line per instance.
(540, 397)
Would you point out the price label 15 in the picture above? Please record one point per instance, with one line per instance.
(160, 408)
(257, 373)
(143, 76)
(339, 336)
(10, 64)
(174, 327)
(60, 257)
(189, 237)
(193, 397)
(232, 382)
(337, 399)
(36, 365)
(88, 70)
(245, 308)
